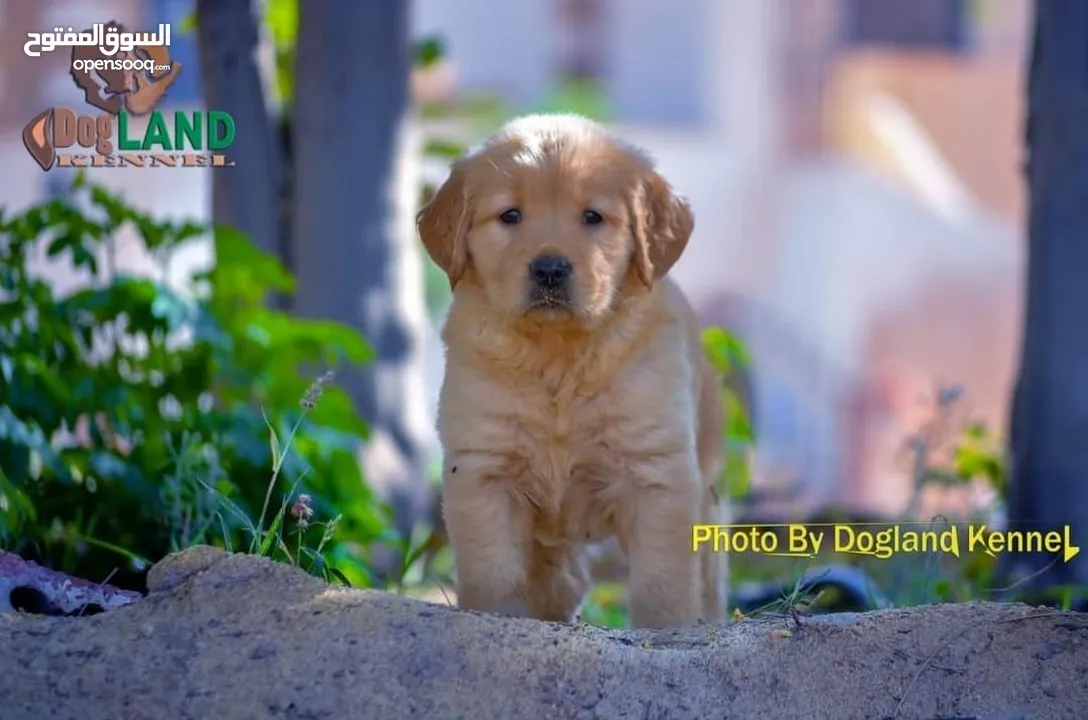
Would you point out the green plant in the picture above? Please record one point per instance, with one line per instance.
(135, 419)
(729, 357)
(281, 19)
(295, 508)
(980, 453)
(947, 452)
(606, 606)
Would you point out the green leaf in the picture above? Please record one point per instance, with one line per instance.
(154, 234)
(274, 444)
(429, 51)
(724, 349)
(339, 576)
(188, 230)
(282, 19)
(148, 306)
(16, 509)
(34, 366)
(285, 74)
(189, 23)
(444, 149)
(117, 213)
(738, 427)
(272, 536)
(245, 272)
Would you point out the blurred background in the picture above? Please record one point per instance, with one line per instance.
(855, 167)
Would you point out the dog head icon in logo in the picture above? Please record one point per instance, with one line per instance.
(38, 139)
(113, 87)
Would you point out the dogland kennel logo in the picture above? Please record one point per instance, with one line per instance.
(123, 75)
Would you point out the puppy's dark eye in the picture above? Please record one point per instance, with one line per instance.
(510, 217)
(592, 217)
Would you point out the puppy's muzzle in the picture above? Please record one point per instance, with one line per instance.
(549, 281)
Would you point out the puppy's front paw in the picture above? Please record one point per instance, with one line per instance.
(663, 599)
(664, 585)
(492, 582)
(488, 535)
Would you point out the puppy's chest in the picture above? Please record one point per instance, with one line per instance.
(573, 466)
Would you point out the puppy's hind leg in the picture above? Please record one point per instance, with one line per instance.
(714, 566)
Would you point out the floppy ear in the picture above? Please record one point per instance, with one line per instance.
(662, 225)
(443, 223)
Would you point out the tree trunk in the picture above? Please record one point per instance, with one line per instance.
(356, 256)
(246, 196)
(1049, 426)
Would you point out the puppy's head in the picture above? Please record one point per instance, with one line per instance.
(552, 217)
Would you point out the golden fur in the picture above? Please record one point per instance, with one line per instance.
(564, 424)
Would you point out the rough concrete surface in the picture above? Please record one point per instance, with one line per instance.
(231, 636)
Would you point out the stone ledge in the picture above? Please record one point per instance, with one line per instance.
(233, 636)
(48, 592)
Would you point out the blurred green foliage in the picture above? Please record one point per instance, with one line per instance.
(730, 358)
(185, 410)
(948, 452)
(980, 453)
(606, 606)
(579, 96)
(135, 420)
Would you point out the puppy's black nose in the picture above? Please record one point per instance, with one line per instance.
(550, 271)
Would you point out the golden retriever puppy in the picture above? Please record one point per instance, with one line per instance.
(577, 402)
